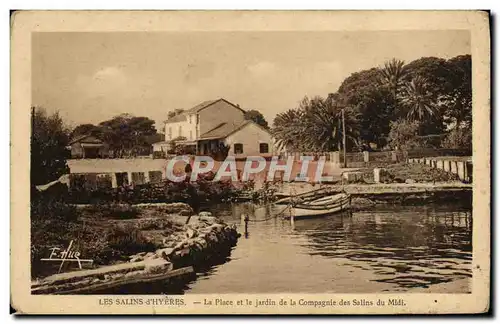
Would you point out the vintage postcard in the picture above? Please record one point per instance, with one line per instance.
(250, 162)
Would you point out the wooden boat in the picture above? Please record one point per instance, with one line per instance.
(308, 207)
(305, 196)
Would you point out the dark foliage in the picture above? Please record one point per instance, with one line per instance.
(257, 117)
(434, 92)
(49, 139)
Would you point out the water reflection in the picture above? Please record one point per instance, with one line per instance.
(409, 247)
(385, 249)
(396, 248)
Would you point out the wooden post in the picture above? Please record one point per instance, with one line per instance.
(244, 222)
(114, 182)
(343, 137)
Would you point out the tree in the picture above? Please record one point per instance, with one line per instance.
(404, 134)
(457, 100)
(154, 138)
(372, 102)
(432, 92)
(315, 125)
(418, 101)
(86, 129)
(324, 124)
(458, 138)
(450, 83)
(433, 69)
(289, 129)
(49, 138)
(392, 76)
(128, 135)
(257, 117)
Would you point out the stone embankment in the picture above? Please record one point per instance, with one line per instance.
(205, 238)
(403, 193)
(366, 195)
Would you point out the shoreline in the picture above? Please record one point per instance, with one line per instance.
(395, 192)
(381, 191)
(176, 257)
(199, 243)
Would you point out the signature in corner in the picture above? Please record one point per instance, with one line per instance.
(66, 255)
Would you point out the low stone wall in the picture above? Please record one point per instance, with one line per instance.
(204, 239)
(418, 193)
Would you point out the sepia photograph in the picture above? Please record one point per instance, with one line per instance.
(193, 163)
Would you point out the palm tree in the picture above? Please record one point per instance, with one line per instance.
(324, 120)
(315, 125)
(288, 129)
(418, 101)
(392, 75)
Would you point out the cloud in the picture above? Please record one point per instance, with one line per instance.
(105, 81)
(261, 69)
(106, 73)
(109, 76)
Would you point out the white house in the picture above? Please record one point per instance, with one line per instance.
(217, 126)
(241, 139)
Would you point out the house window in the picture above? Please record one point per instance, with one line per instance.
(264, 148)
(238, 148)
(190, 134)
(170, 132)
(180, 130)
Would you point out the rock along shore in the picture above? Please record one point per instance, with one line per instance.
(204, 239)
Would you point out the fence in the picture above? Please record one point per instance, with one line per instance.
(369, 159)
(425, 152)
(459, 165)
(328, 155)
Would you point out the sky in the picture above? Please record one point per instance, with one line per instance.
(91, 77)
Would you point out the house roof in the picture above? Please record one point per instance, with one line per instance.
(177, 118)
(223, 130)
(201, 106)
(86, 139)
(205, 104)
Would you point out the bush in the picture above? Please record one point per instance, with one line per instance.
(47, 234)
(419, 173)
(404, 135)
(52, 208)
(115, 211)
(458, 138)
(150, 224)
(128, 240)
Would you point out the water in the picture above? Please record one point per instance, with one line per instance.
(387, 249)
